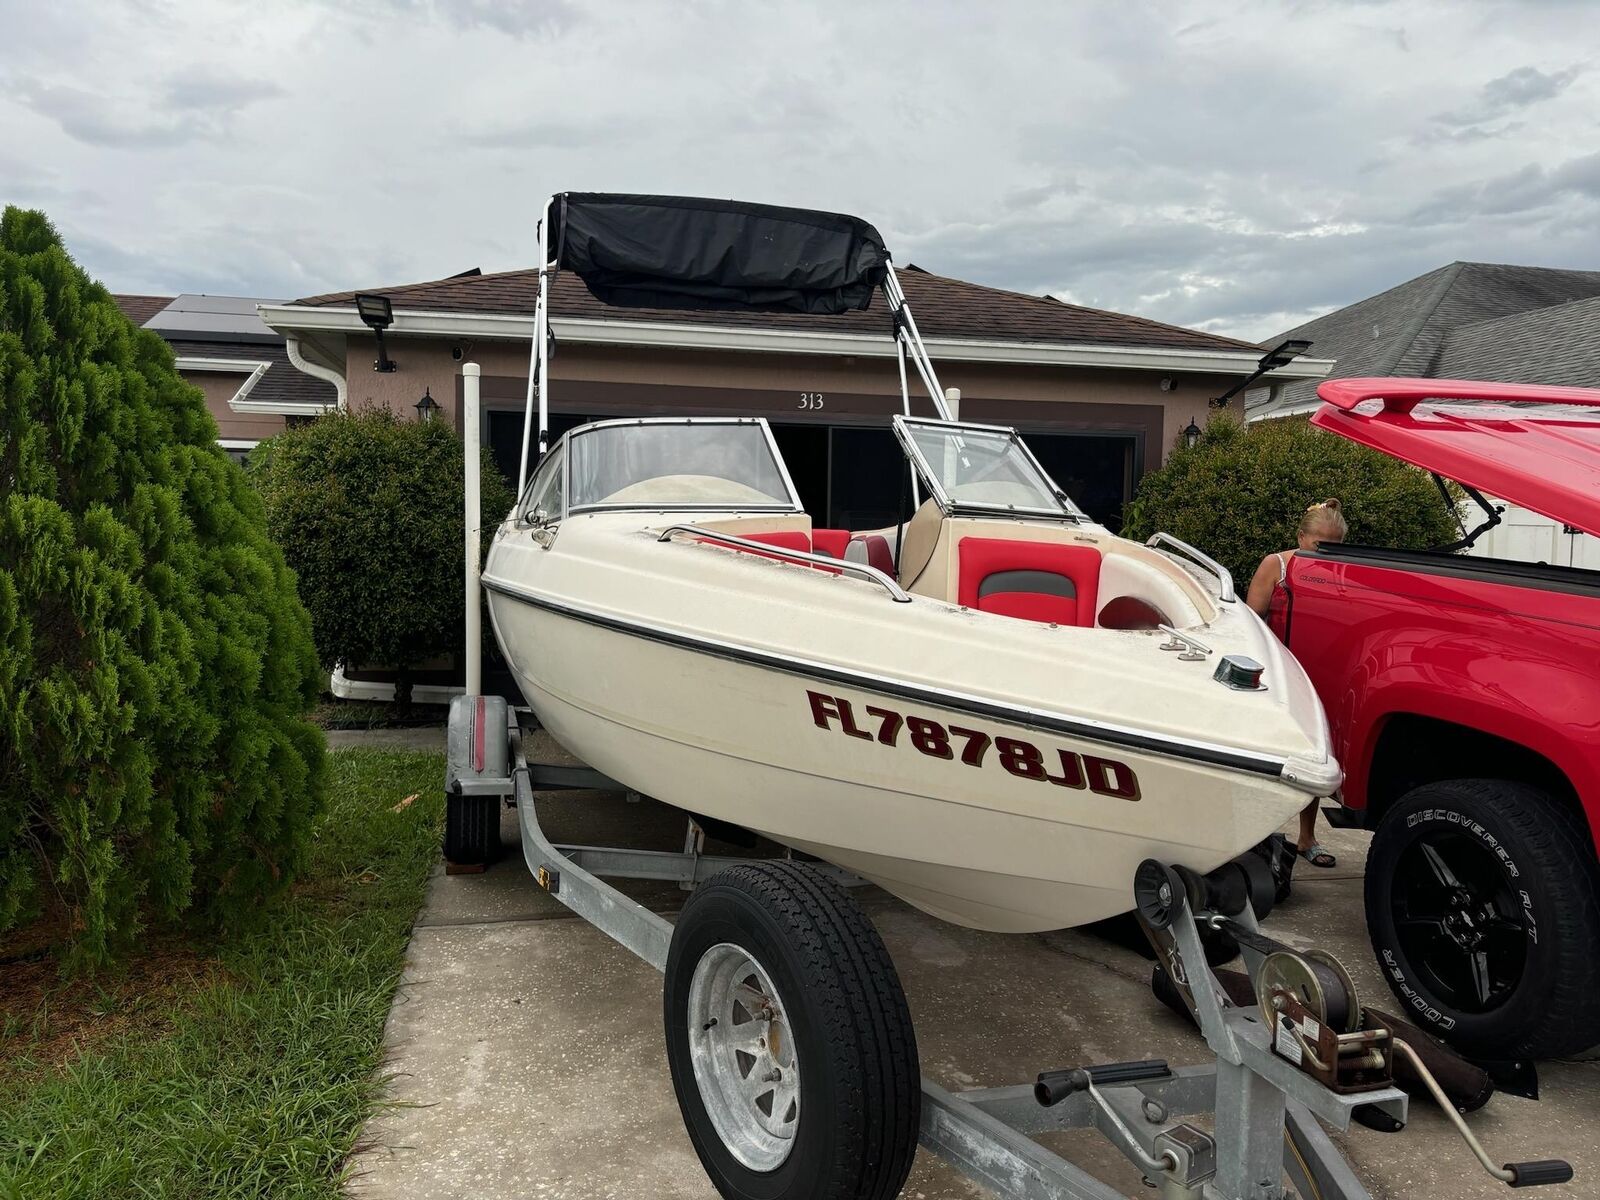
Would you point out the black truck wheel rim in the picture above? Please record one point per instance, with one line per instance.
(1459, 922)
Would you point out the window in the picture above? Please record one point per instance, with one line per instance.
(547, 489)
(1097, 470)
(870, 488)
(677, 464)
(238, 448)
(979, 466)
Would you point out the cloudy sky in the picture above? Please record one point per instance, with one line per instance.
(1238, 166)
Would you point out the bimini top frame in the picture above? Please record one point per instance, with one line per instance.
(682, 252)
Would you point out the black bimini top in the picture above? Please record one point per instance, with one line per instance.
(682, 252)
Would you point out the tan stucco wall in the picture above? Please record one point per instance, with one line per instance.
(219, 387)
(429, 363)
(420, 363)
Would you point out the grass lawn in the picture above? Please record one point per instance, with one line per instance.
(374, 714)
(243, 1067)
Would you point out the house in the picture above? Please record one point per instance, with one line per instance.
(1100, 395)
(1467, 320)
(251, 386)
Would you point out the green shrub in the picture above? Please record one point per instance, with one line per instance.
(155, 664)
(1240, 492)
(368, 510)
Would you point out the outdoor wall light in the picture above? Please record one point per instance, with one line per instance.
(1191, 434)
(377, 314)
(1280, 355)
(427, 406)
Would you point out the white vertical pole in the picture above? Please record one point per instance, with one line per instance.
(919, 352)
(905, 403)
(474, 521)
(527, 417)
(542, 327)
(538, 360)
(952, 401)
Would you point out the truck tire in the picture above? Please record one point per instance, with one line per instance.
(789, 1039)
(1483, 905)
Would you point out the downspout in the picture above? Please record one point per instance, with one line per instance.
(315, 370)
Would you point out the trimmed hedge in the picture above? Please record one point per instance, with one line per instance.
(155, 663)
(367, 507)
(1240, 492)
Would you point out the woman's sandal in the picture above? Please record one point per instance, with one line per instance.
(1317, 856)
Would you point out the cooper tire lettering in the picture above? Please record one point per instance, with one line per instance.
(1503, 981)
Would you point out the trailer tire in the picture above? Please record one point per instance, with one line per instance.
(471, 830)
(1506, 964)
(785, 927)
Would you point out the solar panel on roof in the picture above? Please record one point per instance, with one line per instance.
(213, 316)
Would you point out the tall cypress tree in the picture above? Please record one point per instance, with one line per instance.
(156, 664)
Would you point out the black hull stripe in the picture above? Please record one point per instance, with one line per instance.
(1066, 726)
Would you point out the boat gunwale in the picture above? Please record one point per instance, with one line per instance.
(1086, 728)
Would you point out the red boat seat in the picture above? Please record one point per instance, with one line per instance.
(830, 541)
(1130, 612)
(1034, 581)
(784, 539)
(874, 550)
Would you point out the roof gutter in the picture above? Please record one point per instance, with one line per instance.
(291, 319)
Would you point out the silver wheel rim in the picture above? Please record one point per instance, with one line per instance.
(741, 1046)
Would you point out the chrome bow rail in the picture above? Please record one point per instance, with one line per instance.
(1225, 591)
(841, 565)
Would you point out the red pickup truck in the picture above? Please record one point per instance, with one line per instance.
(1464, 698)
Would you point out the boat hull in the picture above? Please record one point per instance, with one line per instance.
(994, 823)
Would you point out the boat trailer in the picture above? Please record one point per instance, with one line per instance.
(1282, 1066)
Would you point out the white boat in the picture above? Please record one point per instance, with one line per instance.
(995, 711)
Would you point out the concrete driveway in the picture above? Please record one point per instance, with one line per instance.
(527, 1056)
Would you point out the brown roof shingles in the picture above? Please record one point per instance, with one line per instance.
(280, 382)
(944, 308)
(140, 309)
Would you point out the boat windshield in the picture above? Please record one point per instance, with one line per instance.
(688, 464)
(984, 467)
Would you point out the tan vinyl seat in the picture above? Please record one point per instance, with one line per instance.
(919, 541)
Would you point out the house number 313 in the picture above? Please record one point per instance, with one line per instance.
(812, 400)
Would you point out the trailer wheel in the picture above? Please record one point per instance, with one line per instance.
(1481, 898)
(789, 1039)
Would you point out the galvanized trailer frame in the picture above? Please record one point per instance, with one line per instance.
(1266, 1112)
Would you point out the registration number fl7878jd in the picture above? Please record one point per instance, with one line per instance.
(971, 747)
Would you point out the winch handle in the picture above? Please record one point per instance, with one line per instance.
(1053, 1087)
(1539, 1172)
(1524, 1174)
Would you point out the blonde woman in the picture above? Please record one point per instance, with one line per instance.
(1321, 523)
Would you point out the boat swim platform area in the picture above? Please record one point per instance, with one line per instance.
(527, 1056)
